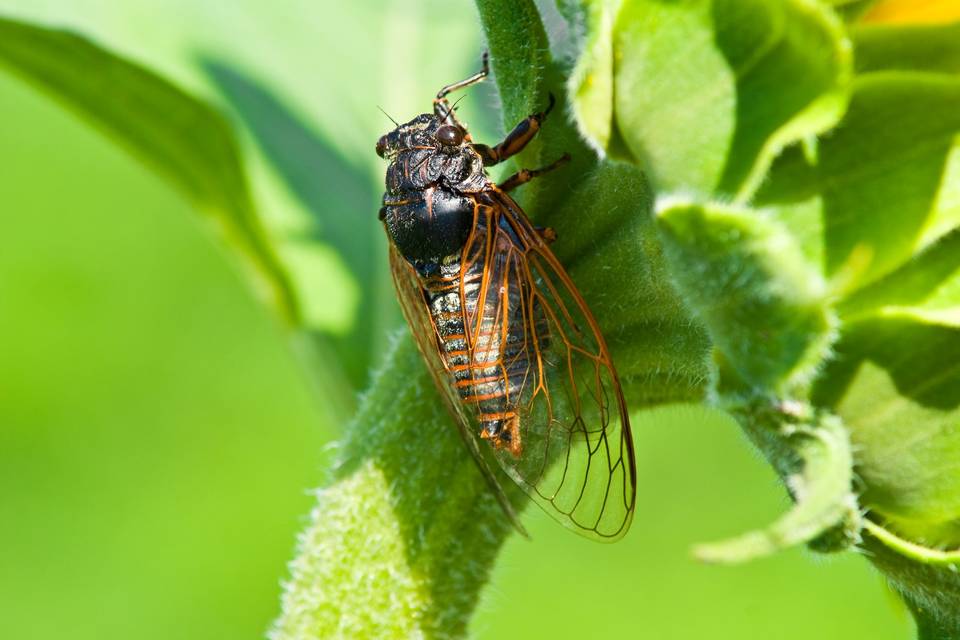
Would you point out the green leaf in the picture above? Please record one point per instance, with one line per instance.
(929, 275)
(882, 183)
(745, 279)
(519, 55)
(930, 589)
(876, 203)
(707, 93)
(907, 47)
(609, 244)
(895, 380)
(525, 77)
(766, 311)
(591, 82)
(335, 191)
(882, 168)
(179, 136)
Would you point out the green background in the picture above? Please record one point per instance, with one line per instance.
(159, 437)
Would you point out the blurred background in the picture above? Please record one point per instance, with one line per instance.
(159, 435)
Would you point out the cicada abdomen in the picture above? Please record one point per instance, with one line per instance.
(490, 359)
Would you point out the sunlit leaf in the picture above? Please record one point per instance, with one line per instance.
(931, 274)
(896, 382)
(706, 93)
(879, 181)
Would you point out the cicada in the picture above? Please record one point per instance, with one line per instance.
(510, 342)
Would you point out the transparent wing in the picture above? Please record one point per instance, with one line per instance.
(573, 450)
(415, 310)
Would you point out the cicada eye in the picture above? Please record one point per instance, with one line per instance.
(450, 135)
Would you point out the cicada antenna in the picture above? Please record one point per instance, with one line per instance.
(453, 108)
(388, 115)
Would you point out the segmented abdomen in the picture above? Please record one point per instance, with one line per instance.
(492, 379)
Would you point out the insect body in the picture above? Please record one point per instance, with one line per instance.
(507, 337)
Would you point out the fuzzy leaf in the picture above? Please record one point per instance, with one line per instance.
(745, 279)
(819, 479)
(385, 554)
(930, 588)
(519, 55)
(766, 311)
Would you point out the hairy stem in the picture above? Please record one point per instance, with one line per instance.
(402, 540)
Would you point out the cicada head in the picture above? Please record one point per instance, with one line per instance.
(426, 131)
(431, 151)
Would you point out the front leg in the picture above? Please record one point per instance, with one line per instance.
(516, 140)
(441, 106)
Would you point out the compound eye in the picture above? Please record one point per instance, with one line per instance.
(450, 135)
(381, 146)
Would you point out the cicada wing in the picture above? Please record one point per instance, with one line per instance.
(416, 311)
(575, 456)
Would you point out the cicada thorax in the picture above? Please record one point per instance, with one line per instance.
(429, 224)
(428, 208)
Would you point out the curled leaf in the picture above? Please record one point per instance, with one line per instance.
(744, 278)
(819, 481)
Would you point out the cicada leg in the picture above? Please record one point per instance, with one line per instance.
(517, 139)
(526, 175)
(441, 106)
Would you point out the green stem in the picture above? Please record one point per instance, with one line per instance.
(400, 544)
(930, 628)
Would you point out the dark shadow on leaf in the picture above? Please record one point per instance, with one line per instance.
(920, 359)
(338, 195)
